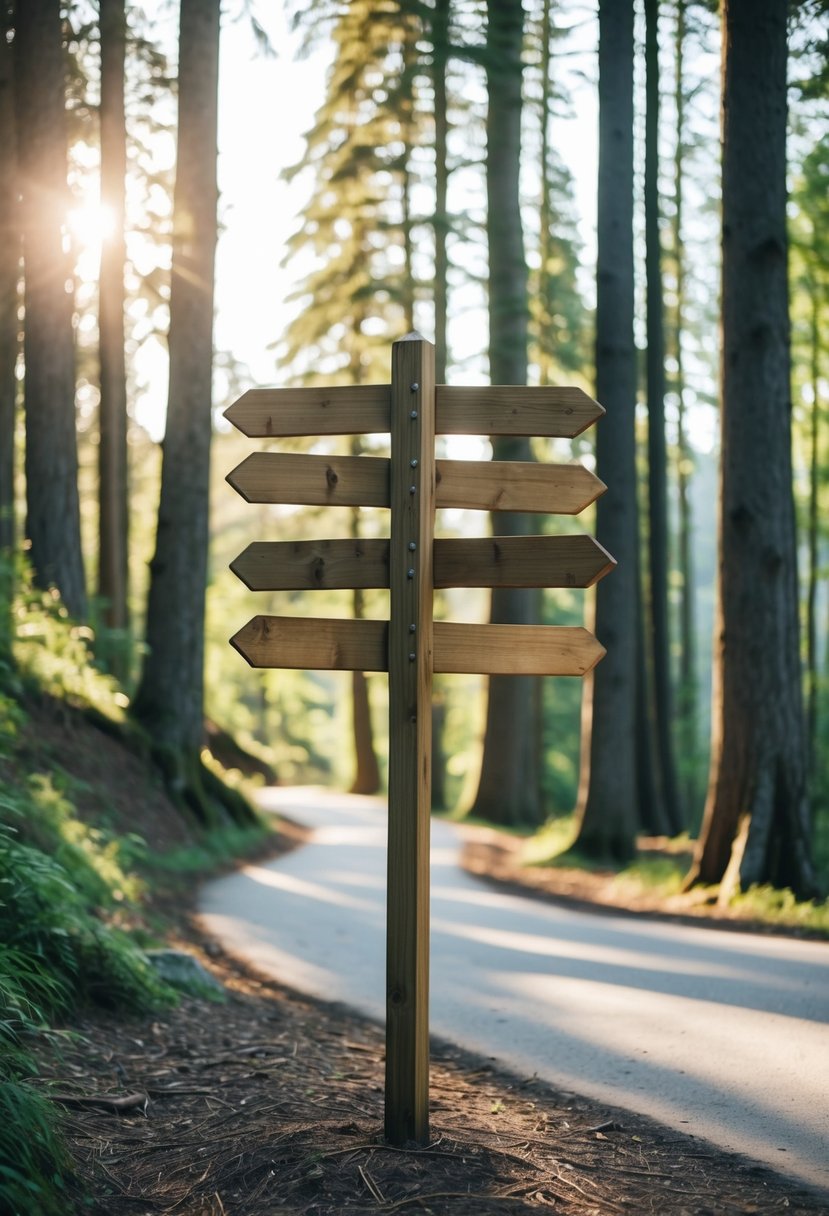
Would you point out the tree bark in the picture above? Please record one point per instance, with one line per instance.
(687, 700)
(112, 454)
(756, 823)
(813, 573)
(659, 668)
(52, 505)
(170, 697)
(508, 788)
(9, 273)
(440, 56)
(366, 769)
(608, 804)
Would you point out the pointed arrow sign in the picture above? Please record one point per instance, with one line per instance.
(513, 485)
(305, 565)
(493, 561)
(364, 409)
(509, 409)
(349, 410)
(363, 481)
(343, 645)
(344, 481)
(520, 561)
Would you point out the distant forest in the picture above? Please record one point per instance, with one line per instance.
(439, 199)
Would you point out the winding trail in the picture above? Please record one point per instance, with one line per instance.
(722, 1035)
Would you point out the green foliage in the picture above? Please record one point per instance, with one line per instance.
(45, 915)
(774, 907)
(34, 1163)
(29, 1124)
(207, 854)
(55, 655)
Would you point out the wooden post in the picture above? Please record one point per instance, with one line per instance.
(412, 493)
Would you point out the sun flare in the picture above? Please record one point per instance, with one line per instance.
(90, 224)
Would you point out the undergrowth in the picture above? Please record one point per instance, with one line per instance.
(660, 874)
(70, 893)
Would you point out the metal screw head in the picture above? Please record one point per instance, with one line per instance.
(412, 489)
(410, 574)
(413, 414)
(412, 546)
(412, 656)
(413, 464)
(412, 628)
(413, 388)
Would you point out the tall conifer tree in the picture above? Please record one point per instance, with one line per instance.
(9, 271)
(668, 815)
(52, 503)
(170, 697)
(112, 459)
(508, 790)
(756, 826)
(608, 796)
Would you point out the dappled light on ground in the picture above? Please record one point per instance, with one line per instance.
(717, 1033)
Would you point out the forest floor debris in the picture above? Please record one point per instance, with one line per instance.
(497, 857)
(272, 1103)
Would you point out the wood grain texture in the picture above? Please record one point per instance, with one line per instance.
(531, 650)
(412, 497)
(515, 410)
(317, 644)
(313, 564)
(483, 485)
(491, 561)
(346, 481)
(516, 485)
(313, 644)
(520, 561)
(281, 412)
(364, 409)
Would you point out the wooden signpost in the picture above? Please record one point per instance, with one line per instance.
(410, 646)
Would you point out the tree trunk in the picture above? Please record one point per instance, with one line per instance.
(545, 209)
(608, 806)
(440, 55)
(112, 454)
(813, 574)
(366, 769)
(508, 789)
(661, 703)
(756, 823)
(170, 698)
(687, 701)
(9, 272)
(52, 505)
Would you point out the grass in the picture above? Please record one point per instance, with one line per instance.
(659, 875)
(73, 919)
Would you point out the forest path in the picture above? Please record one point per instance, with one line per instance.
(718, 1034)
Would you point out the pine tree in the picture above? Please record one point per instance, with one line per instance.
(658, 633)
(9, 270)
(52, 504)
(170, 698)
(508, 790)
(112, 463)
(608, 802)
(756, 825)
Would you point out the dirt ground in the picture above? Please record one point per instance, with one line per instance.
(496, 857)
(271, 1103)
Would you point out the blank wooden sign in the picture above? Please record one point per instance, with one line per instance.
(411, 563)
